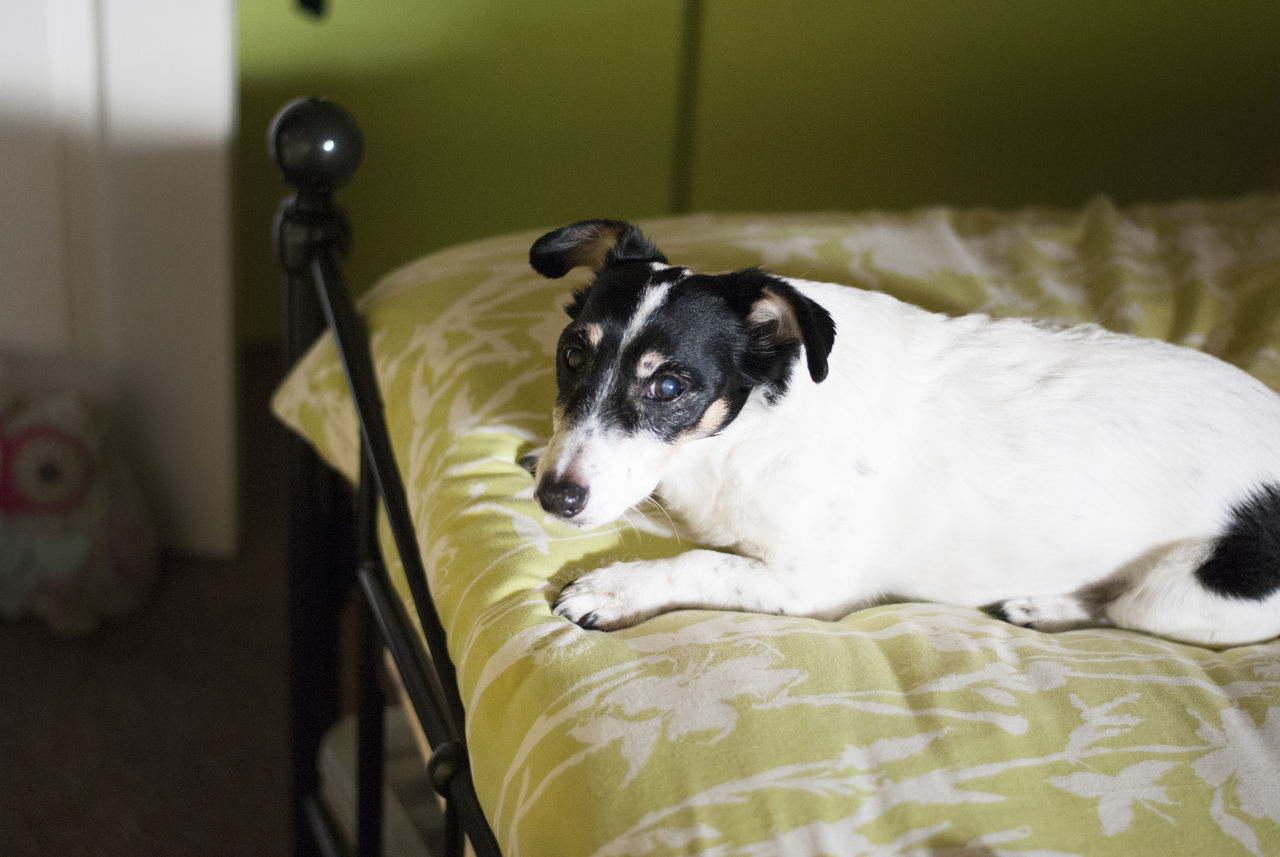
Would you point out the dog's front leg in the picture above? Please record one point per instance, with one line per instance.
(624, 593)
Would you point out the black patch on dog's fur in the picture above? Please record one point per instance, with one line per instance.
(577, 299)
(1245, 564)
(771, 355)
(997, 611)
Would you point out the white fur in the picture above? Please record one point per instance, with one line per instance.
(962, 460)
(653, 298)
(619, 469)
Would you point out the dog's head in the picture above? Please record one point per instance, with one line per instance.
(656, 357)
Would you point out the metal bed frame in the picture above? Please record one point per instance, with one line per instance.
(318, 147)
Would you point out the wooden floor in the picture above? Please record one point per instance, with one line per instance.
(166, 733)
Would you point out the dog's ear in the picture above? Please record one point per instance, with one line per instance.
(780, 318)
(592, 244)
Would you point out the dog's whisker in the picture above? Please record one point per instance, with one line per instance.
(626, 526)
(629, 523)
(657, 504)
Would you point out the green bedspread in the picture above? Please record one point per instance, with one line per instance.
(901, 729)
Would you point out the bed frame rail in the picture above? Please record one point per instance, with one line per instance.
(318, 147)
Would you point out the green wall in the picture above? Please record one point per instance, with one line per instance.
(1001, 102)
(479, 116)
(486, 116)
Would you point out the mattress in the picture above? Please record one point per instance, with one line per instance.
(899, 729)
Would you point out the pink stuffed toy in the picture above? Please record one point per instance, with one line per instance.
(77, 541)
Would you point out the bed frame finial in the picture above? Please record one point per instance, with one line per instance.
(317, 145)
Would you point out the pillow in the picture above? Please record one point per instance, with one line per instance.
(898, 727)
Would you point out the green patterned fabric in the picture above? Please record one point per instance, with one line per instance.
(901, 729)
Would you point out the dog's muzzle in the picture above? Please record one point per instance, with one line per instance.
(562, 497)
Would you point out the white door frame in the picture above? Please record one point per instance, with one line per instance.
(116, 122)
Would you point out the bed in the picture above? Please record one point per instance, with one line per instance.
(899, 729)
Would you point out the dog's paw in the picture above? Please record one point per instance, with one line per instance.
(605, 599)
(1044, 612)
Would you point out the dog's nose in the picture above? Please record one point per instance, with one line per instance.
(562, 498)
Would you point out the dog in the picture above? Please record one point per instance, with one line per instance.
(833, 448)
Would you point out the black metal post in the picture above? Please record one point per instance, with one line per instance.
(321, 553)
(371, 746)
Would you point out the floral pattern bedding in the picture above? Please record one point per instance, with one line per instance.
(900, 729)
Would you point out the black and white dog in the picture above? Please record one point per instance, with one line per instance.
(850, 448)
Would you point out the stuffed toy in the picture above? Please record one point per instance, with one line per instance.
(77, 541)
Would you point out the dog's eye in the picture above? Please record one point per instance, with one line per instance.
(572, 357)
(665, 388)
